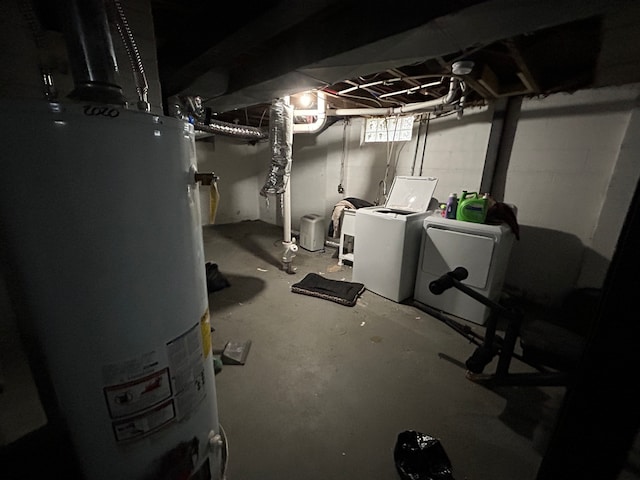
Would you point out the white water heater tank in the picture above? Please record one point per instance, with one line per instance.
(101, 221)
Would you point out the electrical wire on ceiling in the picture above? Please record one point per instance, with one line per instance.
(262, 117)
(355, 97)
(379, 91)
(356, 86)
(410, 90)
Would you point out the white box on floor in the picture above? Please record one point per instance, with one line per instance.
(312, 234)
(482, 249)
(387, 245)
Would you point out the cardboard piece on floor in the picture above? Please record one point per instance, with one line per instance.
(235, 353)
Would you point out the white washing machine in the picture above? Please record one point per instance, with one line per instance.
(482, 249)
(387, 238)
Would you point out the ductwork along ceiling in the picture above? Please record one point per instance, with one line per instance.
(365, 55)
(240, 58)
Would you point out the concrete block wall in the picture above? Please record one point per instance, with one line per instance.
(240, 167)
(455, 151)
(566, 149)
(570, 167)
(618, 195)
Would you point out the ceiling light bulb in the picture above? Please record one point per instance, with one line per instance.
(306, 100)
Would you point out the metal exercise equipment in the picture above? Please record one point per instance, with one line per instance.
(552, 350)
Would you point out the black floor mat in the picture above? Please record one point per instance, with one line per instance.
(344, 293)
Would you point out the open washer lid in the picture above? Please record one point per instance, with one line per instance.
(411, 194)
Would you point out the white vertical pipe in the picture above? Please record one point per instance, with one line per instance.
(290, 247)
(286, 195)
(286, 206)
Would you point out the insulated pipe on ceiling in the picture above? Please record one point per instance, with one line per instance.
(429, 106)
(190, 109)
(231, 130)
(321, 113)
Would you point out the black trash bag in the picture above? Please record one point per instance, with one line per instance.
(421, 457)
(215, 280)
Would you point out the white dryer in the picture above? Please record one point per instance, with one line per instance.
(482, 249)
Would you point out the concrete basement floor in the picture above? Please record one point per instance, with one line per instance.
(326, 388)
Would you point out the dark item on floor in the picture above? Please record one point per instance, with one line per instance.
(338, 291)
(215, 280)
(421, 457)
(235, 353)
(217, 364)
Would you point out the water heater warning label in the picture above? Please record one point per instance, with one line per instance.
(146, 392)
(131, 369)
(186, 362)
(141, 425)
(133, 397)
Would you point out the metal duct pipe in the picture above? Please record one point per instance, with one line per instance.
(231, 130)
(91, 54)
(190, 109)
(281, 138)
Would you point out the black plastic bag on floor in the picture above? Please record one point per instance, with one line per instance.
(215, 280)
(421, 457)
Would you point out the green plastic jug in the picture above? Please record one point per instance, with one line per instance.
(472, 208)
